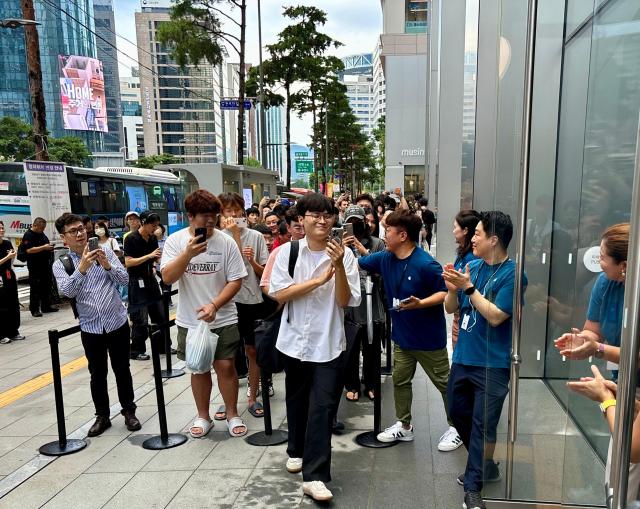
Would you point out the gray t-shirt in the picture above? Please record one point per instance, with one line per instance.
(250, 292)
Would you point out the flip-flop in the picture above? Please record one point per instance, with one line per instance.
(221, 413)
(256, 409)
(371, 395)
(203, 424)
(354, 398)
(236, 422)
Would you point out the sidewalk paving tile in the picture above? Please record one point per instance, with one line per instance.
(89, 491)
(149, 490)
(210, 488)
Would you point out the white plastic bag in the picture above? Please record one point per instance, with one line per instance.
(201, 347)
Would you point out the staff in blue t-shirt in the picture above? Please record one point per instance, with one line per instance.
(479, 380)
(414, 286)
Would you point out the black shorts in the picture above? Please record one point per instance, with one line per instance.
(248, 314)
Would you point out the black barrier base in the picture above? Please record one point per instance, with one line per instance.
(276, 437)
(157, 443)
(171, 373)
(368, 439)
(55, 449)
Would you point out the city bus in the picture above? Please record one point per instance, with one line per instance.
(94, 192)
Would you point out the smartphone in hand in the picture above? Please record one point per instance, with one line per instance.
(93, 243)
(203, 233)
(336, 234)
(348, 228)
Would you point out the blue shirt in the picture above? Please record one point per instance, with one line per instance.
(97, 297)
(418, 275)
(461, 261)
(605, 307)
(479, 344)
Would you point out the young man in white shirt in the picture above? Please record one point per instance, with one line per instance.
(312, 339)
(249, 299)
(209, 273)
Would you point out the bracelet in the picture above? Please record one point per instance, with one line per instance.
(599, 353)
(606, 404)
(215, 306)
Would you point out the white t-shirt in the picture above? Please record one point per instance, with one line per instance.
(250, 292)
(205, 277)
(111, 243)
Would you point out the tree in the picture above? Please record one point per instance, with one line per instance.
(70, 150)
(194, 33)
(152, 161)
(254, 163)
(380, 143)
(16, 139)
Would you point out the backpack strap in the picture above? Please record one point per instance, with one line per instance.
(293, 258)
(70, 268)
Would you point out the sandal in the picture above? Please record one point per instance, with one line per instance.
(256, 409)
(221, 413)
(202, 424)
(236, 422)
(355, 396)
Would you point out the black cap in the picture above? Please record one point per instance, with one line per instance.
(149, 217)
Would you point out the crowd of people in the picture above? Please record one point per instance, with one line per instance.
(237, 264)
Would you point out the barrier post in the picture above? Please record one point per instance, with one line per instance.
(387, 369)
(269, 436)
(165, 440)
(370, 438)
(169, 372)
(63, 446)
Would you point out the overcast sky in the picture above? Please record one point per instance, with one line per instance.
(355, 23)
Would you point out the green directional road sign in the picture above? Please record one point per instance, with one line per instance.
(304, 166)
(301, 155)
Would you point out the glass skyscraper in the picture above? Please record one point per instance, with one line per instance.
(59, 35)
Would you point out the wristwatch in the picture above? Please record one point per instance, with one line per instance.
(599, 353)
(470, 290)
(606, 404)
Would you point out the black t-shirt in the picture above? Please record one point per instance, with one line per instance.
(36, 260)
(5, 247)
(428, 217)
(136, 247)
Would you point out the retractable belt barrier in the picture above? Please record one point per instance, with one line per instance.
(269, 436)
(169, 372)
(387, 369)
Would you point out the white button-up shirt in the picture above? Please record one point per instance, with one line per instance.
(312, 327)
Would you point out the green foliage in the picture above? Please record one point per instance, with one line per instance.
(380, 139)
(151, 161)
(250, 161)
(16, 139)
(301, 182)
(70, 150)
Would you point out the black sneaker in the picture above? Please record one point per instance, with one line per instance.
(491, 473)
(473, 500)
(140, 357)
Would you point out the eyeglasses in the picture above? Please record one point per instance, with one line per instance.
(75, 231)
(316, 217)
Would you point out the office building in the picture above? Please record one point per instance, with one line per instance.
(108, 55)
(131, 105)
(59, 35)
(180, 108)
(250, 138)
(379, 86)
(357, 76)
(274, 126)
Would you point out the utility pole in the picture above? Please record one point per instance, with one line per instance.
(38, 110)
(242, 72)
(263, 113)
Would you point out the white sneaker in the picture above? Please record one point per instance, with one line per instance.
(450, 440)
(5, 341)
(317, 491)
(294, 465)
(396, 433)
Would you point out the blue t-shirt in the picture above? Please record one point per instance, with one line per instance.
(418, 275)
(479, 344)
(605, 307)
(461, 261)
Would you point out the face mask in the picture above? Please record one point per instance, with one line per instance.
(100, 232)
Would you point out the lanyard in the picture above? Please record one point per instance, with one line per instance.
(404, 270)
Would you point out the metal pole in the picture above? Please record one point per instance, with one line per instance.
(522, 218)
(169, 372)
(263, 115)
(326, 144)
(629, 343)
(38, 110)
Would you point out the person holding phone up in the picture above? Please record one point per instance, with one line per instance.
(413, 283)
(9, 303)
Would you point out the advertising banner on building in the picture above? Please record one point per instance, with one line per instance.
(84, 104)
(48, 191)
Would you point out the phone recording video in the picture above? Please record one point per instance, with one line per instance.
(336, 234)
(203, 235)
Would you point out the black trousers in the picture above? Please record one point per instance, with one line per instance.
(352, 365)
(313, 393)
(39, 288)
(144, 303)
(9, 307)
(115, 344)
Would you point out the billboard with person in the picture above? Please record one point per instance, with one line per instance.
(84, 105)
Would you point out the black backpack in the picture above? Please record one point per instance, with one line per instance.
(70, 268)
(268, 356)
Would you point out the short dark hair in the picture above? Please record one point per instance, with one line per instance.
(364, 196)
(42, 220)
(467, 219)
(314, 202)
(291, 215)
(148, 217)
(252, 210)
(389, 203)
(423, 202)
(103, 218)
(201, 201)
(64, 220)
(231, 200)
(407, 221)
(86, 219)
(495, 222)
(282, 228)
(272, 214)
(280, 210)
(262, 228)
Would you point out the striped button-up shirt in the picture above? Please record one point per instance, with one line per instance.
(100, 307)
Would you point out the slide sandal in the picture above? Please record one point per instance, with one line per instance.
(221, 413)
(236, 422)
(256, 409)
(201, 423)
